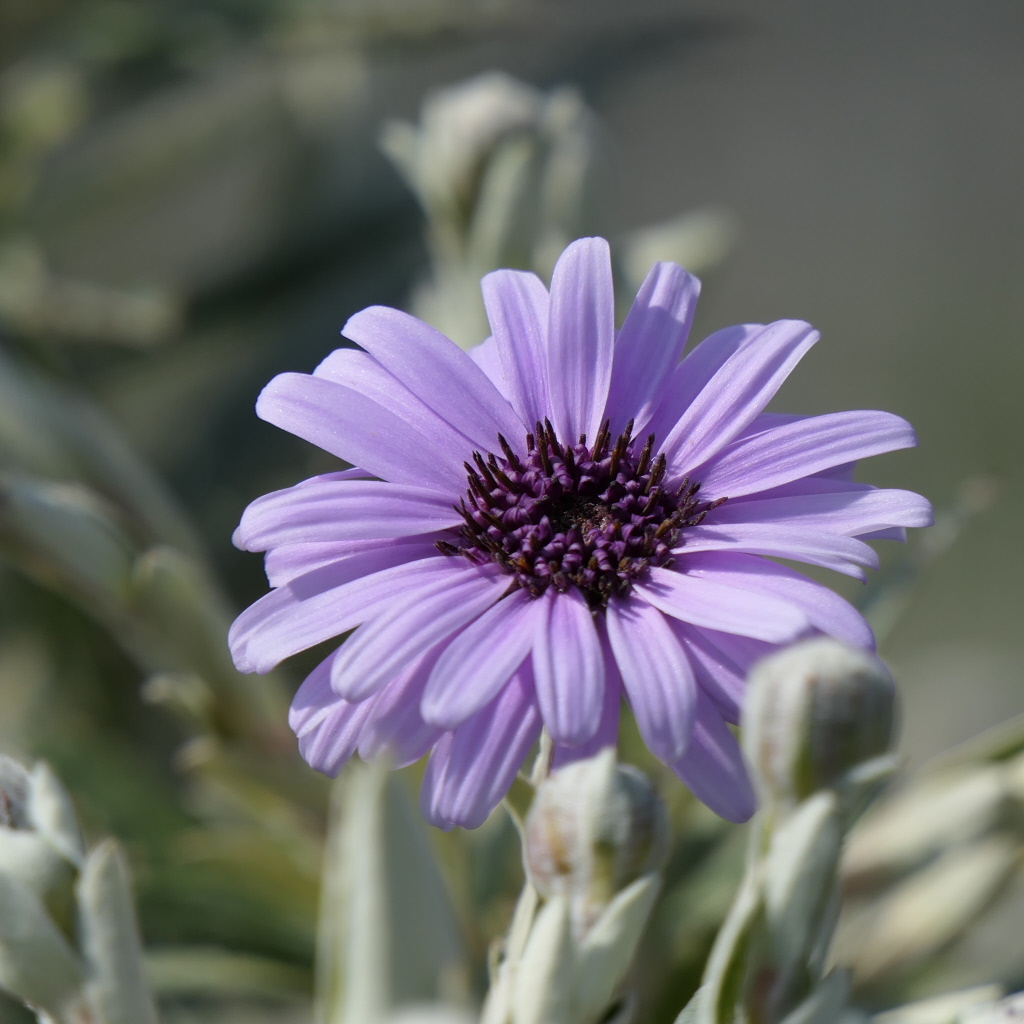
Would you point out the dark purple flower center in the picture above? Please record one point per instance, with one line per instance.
(592, 517)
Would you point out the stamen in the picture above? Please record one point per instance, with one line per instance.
(571, 516)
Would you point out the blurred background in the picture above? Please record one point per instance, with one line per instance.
(195, 195)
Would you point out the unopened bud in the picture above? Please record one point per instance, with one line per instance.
(814, 712)
(594, 827)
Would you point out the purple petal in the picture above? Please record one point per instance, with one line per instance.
(415, 621)
(517, 307)
(388, 439)
(713, 768)
(324, 603)
(396, 726)
(607, 733)
(656, 675)
(288, 562)
(897, 533)
(481, 660)
(721, 678)
(702, 602)
(824, 609)
(568, 667)
(348, 510)
(650, 342)
(800, 449)
(769, 420)
(849, 512)
(817, 547)
(472, 768)
(581, 335)
(439, 373)
(740, 389)
(328, 728)
(488, 358)
(691, 376)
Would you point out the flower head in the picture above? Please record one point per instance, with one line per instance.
(566, 517)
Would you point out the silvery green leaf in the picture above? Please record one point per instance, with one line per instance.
(825, 1004)
(697, 240)
(1006, 1011)
(53, 815)
(606, 952)
(28, 857)
(66, 536)
(173, 590)
(943, 1009)
(209, 970)
(948, 809)
(542, 986)
(936, 904)
(431, 1013)
(37, 964)
(690, 1012)
(48, 431)
(799, 875)
(726, 971)
(13, 1011)
(387, 932)
(117, 989)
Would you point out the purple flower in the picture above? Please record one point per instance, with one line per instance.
(563, 518)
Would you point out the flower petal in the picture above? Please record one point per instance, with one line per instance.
(800, 449)
(396, 725)
(824, 609)
(488, 358)
(656, 675)
(410, 626)
(690, 377)
(817, 547)
(738, 391)
(471, 769)
(721, 678)
(849, 512)
(289, 561)
(713, 768)
(324, 603)
(568, 667)
(347, 422)
(650, 342)
(481, 660)
(328, 728)
(702, 602)
(581, 335)
(517, 308)
(346, 510)
(439, 373)
(607, 733)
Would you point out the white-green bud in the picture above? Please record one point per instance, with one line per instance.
(814, 712)
(38, 840)
(594, 827)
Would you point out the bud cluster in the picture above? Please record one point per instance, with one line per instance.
(818, 725)
(69, 946)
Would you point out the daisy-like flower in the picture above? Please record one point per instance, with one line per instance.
(562, 519)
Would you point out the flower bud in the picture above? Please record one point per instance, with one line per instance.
(34, 850)
(813, 713)
(594, 827)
